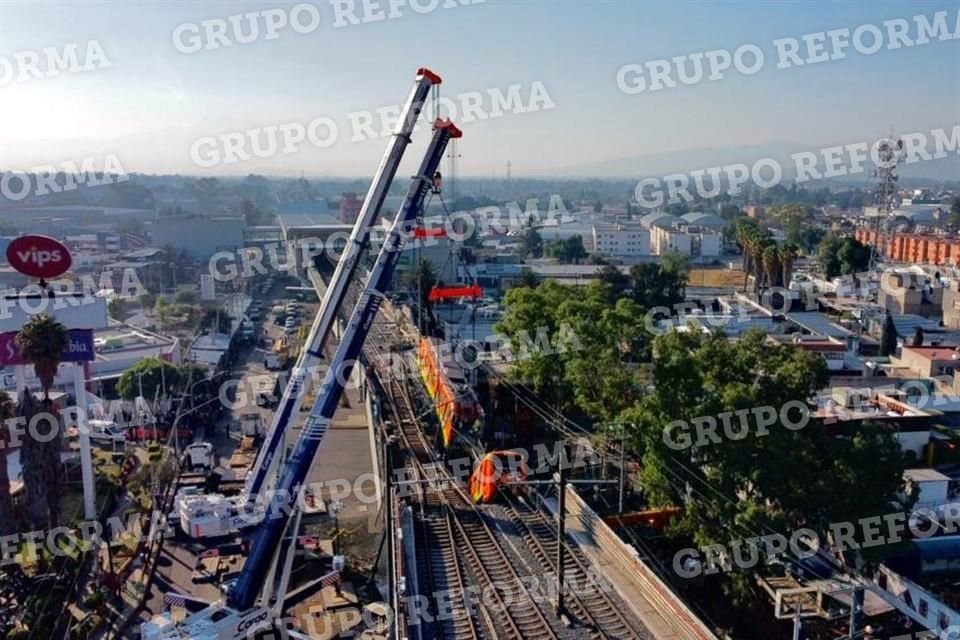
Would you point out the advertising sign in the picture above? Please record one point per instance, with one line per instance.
(80, 348)
(39, 256)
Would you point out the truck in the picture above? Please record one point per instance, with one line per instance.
(200, 456)
(271, 361)
(251, 425)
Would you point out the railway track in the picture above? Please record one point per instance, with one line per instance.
(584, 597)
(458, 542)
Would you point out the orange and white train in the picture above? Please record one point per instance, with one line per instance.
(454, 399)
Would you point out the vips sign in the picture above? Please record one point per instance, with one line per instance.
(39, 256)
(80, 348)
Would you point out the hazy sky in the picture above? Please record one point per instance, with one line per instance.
(153, 101)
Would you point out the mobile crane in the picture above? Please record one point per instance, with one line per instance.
(241, 615)
(214, 515)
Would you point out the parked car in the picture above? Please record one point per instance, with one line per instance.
(144, 433)
(106, 431)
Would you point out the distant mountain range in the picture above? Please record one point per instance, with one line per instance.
(659, 164)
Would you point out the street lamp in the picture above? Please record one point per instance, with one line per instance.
(335, 508)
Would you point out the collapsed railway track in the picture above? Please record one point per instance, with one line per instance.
(503, 608)
(461, 554)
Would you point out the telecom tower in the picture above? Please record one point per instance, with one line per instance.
(889, 154)
(453, 154)
(509, 171)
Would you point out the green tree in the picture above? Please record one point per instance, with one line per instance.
(730, 211)
(529, 313)
(528, 278)
(42, 341)
(828, 255)
(917, 337)
(733, 487)
(609, 341)
(578, 347)
(150, 374)
(619, 281)
(676, 263)
(954, 220)
(888, 336)
(842, 256)
(653, 285)
(532, 246)
(185, 296)
(573, 249)
(205, 190)
(116, 308)
(854, 256)
(147, 301)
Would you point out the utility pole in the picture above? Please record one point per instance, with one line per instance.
(561, 530)
(856, 606)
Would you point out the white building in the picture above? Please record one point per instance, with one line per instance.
(692, 241)
(621, 240)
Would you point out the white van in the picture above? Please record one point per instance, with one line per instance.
(106, 431)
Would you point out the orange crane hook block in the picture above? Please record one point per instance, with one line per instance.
(463, 291)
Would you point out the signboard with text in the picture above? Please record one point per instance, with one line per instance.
(39, 256)
(80, 348)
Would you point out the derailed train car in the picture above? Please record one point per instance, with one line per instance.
(455, 401)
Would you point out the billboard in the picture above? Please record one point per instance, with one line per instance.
(80, 348)
(38, 256)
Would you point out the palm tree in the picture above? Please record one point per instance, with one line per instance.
(32, 461)
(744, 237)
(6, 500)
(770, 258)
(788, 254)
(42, 341)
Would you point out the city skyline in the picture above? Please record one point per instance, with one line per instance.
(152, 102)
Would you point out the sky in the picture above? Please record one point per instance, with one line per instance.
(153, 102)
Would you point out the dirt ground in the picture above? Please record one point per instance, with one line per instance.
(716, 277)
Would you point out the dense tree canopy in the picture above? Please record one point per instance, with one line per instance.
(152, 374)
(842, 256)
(788, 478)
(591, 345)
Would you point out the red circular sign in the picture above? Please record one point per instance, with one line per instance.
(39, 256)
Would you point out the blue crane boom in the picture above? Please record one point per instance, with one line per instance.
(344, 273)
(268, 533)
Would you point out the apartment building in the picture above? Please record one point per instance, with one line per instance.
(621, 241)
(700, 244)
(918, 248)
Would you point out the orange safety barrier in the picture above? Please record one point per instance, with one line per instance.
(655, 518)
(446, 293)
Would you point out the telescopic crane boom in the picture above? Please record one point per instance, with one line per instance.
(268, 533)
(342, 276)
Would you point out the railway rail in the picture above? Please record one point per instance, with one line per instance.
(587, 600)
(456, 542)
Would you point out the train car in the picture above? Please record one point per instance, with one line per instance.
(456, 403)
(494, 470)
